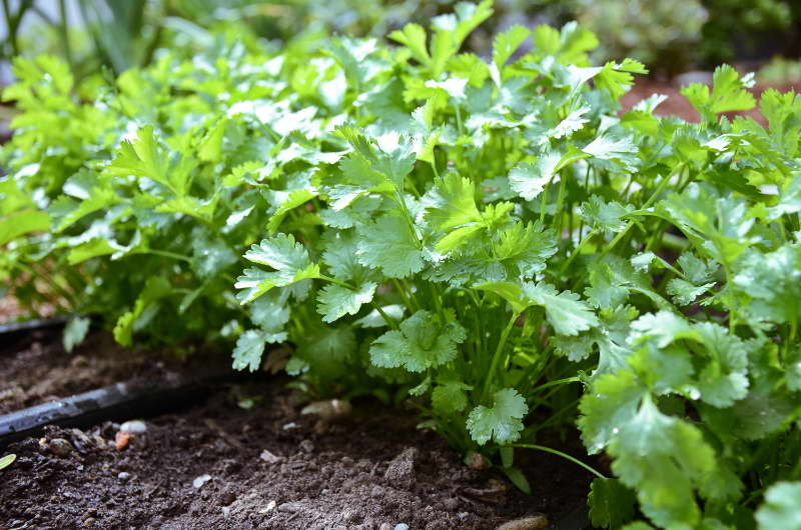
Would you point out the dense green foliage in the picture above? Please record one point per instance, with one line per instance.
(488, 240)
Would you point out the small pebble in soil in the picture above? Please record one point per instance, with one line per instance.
(307, 446)
(134, 427)
(269, 457)
(200, 481)
(330, 410)
(532, 522)
(59, 446)
(124, 475)
(121, 440)
(401, 526)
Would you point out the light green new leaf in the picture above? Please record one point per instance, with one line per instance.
(782, 507)
(500, 423)
(22, 222)
(728, 94)
(144, 158)
(289, 259)
(413, 36)
(293, 200)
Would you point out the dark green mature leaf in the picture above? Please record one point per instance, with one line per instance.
(390, 245)
(565, 311)
(336, 301)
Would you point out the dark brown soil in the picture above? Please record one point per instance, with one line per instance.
(371, 469)
(35, 369)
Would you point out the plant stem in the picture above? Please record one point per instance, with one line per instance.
(497, 355)
(168, 254)
(576, 251)
(560, 453)
(555, 383)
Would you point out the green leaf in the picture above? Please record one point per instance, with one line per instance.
(328, 350)
(605, 217)
(501, 422)
(781, 508)
(450, 397)
(611, 503)
(728, 94)
(75, 332)
(390, 245)
(506, 43)
(529, 179)
(293, 200)
(565, 311)
(615, 150)
(7, 461)
(422, 342)
(249, 350)
(289, 259)
(336, 301)
(144, 158)
(413, 36)
(22, 222)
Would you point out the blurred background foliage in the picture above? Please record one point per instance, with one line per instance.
(670, 36)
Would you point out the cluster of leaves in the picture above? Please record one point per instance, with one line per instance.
(483, 238)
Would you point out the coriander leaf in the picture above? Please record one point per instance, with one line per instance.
(422, 342)
(248, 351)
(328, 350)
(529, 179)
(336, 301)
(611, 503)
(605, 217)
(781, 508)
(144, 158)
(390, 245)
(374, 319)
(293, 200)
(506, 43)
(453, 203)
(413, 36)
(684, 293)
(526, 247)
(728, 93)
(75, 332)
(289, 259)
(450, 397)
(608, 149)
(565, 311)
(500, 423)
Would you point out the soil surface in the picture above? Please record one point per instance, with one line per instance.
(35, 368)
(217, 465)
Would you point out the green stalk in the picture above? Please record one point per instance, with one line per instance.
(168, 254)
(563, 455)
(555, 383)
(576, 251)
(497, 355)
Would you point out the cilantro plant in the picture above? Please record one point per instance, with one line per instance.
(485, 239)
